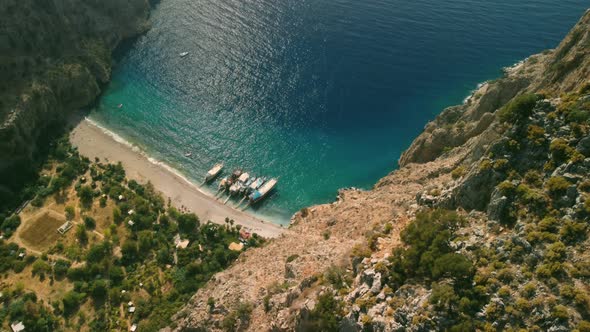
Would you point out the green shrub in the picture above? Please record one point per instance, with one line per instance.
(536, 134)
(37, 201)
(458, 172)
(325, 316)
(560, 150)
(507, 188)
(86, 195)
(521, 107)
(578, 116)
(89, 222)
(292, 258)
(529, 290)
(70, 212)
(557, 185)
(560, 312)
(583, 326)
(572, 232)
(533, 178)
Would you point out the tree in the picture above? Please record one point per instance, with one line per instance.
(70, 212)
(519, 108)
(99, 290)
(61, 268)
(81, 234)
(117, 216)
(187, 222)
(9, 225)
(89, 222)
(145, 241)
(443, 297)
(453, 265)
(129, 252)
(325, 316)
(86, 195)
(72, 301)
(40, 267)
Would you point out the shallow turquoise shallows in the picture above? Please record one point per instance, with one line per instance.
(324, 94)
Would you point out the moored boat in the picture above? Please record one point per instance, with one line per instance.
(223, 183)
(214, 172)
(239, 184)
(235, 175)
(260, 193)
(257, 183)
(246, 187)
(234, 188)
(244, 177)
(183, 54)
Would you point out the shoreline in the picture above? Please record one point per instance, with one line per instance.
(93, 142)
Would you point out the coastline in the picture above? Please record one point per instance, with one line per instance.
(93, 142)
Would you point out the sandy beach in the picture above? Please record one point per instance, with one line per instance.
(93, 142)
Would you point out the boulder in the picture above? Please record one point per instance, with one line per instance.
(584, 146)
(376, 286)
(499, 208)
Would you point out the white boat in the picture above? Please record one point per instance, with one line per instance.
(223, 183)
(183, 54)
(244, 177)
(263, 191)
(257, 183)
(234, 188)
(214, 172)
(188, 154)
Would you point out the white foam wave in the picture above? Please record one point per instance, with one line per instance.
(144, 154)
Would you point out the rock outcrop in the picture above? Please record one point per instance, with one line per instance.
(54, 57)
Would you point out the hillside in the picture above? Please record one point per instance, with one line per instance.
(483, 226)
(54, 57)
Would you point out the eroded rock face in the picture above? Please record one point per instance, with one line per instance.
(457, 124)
(54, 67)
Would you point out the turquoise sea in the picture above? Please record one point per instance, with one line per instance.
(324, 94)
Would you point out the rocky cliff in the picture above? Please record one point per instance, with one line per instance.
(54, 57)
(483, 226)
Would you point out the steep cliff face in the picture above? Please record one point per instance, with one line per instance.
(342, 265)
(54, 55)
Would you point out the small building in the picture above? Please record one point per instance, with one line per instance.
(22, 254)
(131, 223)
(131, 310)
(130, 304)
(17, 327)
(65, 227)
(133, 328)
(121, 197)
(131, 212)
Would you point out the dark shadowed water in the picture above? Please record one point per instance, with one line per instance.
(324, 94)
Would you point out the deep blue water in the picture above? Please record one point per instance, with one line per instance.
(324, 94)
